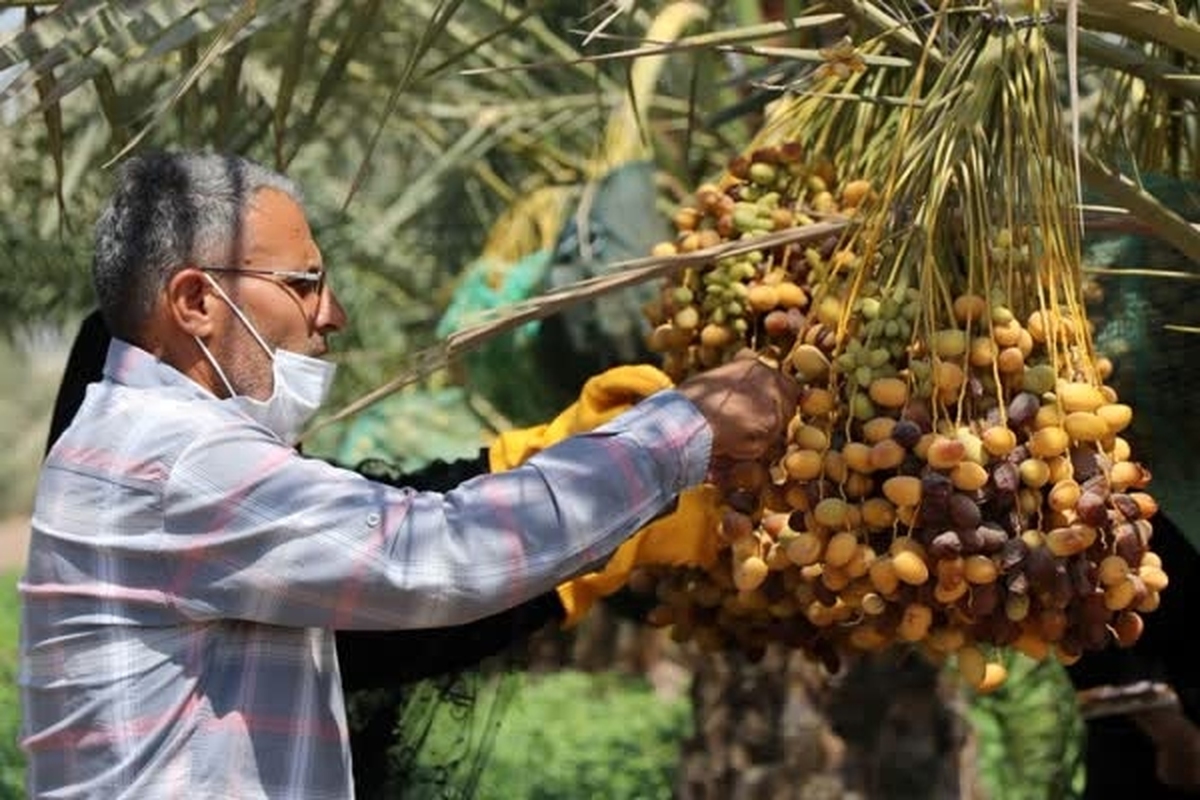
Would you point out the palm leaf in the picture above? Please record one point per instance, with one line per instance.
(229, 99)
(52, 114)
(1158, 73)
(114, 34)
(214, 49)
(76, 23)
(1143, 22)
(290, 76)
(358, 26)
(437, 23)
(110, 105)
(723, 40)
(1162, 221)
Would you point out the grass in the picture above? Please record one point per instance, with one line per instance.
(12, 767)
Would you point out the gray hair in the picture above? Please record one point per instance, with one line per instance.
(167, 212)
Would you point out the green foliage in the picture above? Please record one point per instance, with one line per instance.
(29, 376)
(12, 769)
(1031, 737)
(506, 370)
(46, 280)
(411, 429)
(45, 273)
(577, 736)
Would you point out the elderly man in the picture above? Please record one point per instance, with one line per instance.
(188, 567)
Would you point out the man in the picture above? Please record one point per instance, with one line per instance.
(380, 669)
(188, 567)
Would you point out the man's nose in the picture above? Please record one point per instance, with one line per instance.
(331, 317)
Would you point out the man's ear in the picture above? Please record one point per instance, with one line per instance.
(190, 302)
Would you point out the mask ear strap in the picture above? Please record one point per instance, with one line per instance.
(233, 306)
(213, 361)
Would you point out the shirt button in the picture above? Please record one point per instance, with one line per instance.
(372, 519)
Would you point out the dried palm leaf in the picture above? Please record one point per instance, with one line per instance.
(501, 320)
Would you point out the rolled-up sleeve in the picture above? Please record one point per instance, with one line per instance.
(257, 532)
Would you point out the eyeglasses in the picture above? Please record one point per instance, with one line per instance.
(306, 282)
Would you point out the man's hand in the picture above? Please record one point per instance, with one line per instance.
(748, 404)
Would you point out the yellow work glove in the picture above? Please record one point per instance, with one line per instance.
(603, 397)
(684, 537)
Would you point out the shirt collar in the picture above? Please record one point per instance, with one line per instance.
(130, 365)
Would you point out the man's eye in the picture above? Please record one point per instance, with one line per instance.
(305, 285)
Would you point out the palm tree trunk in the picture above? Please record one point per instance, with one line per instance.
(905, 732)
(783, 729)
(760, 731)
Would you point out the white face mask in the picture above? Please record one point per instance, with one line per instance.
(301, 384)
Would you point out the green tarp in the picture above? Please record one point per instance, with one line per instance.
(1157, 367)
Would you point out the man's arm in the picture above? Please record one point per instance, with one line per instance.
(257, 532)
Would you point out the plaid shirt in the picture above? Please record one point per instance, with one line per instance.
(187, 570)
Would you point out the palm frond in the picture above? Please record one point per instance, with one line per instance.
(215, 48)
(83, 45)
(1162, 221)
(360, 23)
(1147, 22)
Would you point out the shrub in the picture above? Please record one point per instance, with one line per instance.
(580, 736)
